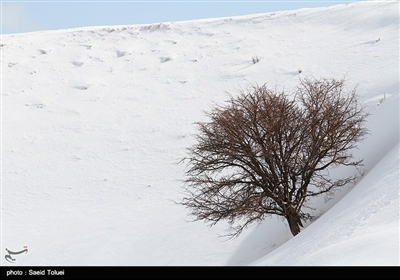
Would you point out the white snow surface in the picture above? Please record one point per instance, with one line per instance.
(95, 121)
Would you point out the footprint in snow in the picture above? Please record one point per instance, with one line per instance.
(165, 59)
(77, 64)
(82, 87)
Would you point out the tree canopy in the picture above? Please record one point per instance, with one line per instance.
(266, 152)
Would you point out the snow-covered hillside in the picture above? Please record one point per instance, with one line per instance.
(95, 121)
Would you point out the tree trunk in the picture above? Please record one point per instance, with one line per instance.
(294, 221)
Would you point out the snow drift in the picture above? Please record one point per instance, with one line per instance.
(95, 121)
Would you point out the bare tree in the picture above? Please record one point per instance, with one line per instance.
(267, 153)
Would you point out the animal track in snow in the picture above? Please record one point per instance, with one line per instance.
(77, 64)
(165, 59)
(82, 87)
(43, 51)
(122, 53)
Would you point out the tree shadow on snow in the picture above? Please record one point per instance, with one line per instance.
(263, 239)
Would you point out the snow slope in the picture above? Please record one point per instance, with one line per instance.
(95, 121)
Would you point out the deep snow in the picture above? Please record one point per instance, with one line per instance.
(95, 121)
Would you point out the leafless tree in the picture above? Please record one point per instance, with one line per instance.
(267, 153)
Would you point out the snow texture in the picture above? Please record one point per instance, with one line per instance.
(95, 121)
